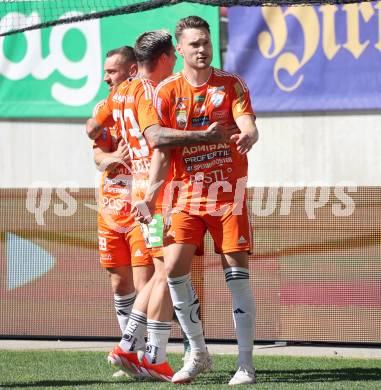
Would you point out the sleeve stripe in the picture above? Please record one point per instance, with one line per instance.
(234, 75)
(148, 89)
(163, 83)
(243, 84)
(168, 80)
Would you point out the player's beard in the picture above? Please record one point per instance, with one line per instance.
(204, 63)
(203, 66)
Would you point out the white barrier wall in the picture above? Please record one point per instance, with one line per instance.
(55, 153)
(317, 150)
(292, 150)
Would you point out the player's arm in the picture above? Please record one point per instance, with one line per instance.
(93, 128)
(244, 116)
(165, 137)
(159, 169)
(160, 135)
(102, 117)
(248, 134)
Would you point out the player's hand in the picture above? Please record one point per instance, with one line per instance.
(220, 132)
(122, 153)
(244, 142)
(142, 211)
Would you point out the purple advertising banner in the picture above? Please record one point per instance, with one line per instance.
(308, 58)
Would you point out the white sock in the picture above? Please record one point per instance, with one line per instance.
(238, 281)
(123, 306)
(158, 335)
(134, 332)
(187, 307)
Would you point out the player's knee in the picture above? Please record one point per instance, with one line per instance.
(161, 283)
(121, 286)
(171, 270)
(139, 284)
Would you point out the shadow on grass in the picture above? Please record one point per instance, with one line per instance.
(324, 375)
(61, 382)
(299, 376)
(51, 383)
(219, 377)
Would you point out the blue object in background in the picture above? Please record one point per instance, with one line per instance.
(308, 58)
(26, 261)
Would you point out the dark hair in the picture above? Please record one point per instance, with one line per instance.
(190, 22)
(127, 53)
(151, 45)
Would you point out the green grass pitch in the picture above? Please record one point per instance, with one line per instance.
(89, 370)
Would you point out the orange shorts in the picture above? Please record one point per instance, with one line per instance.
(156, 252)
(121, 249)
(230, 232)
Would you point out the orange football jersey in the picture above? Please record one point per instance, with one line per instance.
(208, 172)
(115, 187)
(131, 106)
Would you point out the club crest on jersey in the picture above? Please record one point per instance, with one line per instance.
(217, 99)
(181, 118)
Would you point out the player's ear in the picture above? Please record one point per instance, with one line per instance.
(179, 49)
(163, 58)
(133, 70)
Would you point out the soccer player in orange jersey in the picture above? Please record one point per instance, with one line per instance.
(212, 181)
(131, 105)
(122, 247)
